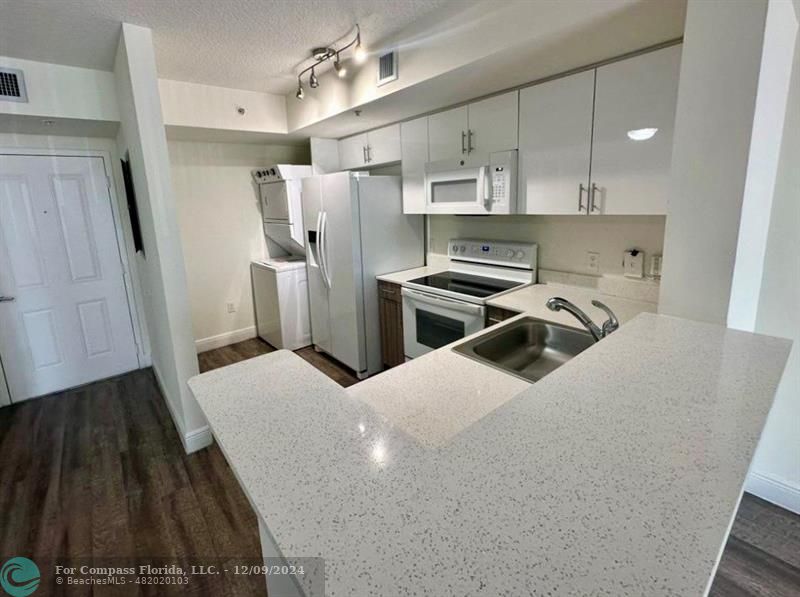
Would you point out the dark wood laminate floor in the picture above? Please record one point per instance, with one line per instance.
(99, 472)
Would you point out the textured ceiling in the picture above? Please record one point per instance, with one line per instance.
(243, 44)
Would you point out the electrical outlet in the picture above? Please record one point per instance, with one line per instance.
(593, 262)
(231, 308)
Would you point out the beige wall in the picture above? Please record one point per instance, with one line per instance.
(220, 223)
(563, 240)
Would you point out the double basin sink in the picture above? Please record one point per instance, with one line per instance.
(528, 348)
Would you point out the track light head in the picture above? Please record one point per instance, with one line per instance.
(360, 54)
(300, 93)
(339, 68)
(313, 82)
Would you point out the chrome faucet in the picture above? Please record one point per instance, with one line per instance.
(598, 333)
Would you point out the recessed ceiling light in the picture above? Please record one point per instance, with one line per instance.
(642, 134)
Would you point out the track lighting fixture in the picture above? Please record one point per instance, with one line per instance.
(320, 55)
(337, 66)
(360, 54)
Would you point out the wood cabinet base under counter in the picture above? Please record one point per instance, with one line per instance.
(390, 307)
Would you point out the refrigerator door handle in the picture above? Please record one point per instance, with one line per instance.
(323, 250)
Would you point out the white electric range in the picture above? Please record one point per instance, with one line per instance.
(449, 305)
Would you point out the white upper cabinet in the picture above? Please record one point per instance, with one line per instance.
(383, 145)
(447, 134)
(493, 124)
(414, 144)
(482, 127)
(634, 117)
(374, 148)
(353, 152)
(555, 145)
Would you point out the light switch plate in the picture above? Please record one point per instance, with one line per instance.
(633, 263)
(593, 262)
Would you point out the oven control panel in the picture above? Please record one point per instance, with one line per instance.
(510, 254)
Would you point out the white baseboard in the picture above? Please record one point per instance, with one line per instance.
(197, 439)
(194, 440)
(220, 340)
(775, 491)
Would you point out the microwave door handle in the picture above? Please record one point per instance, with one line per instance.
(487, 187)
(439, 301)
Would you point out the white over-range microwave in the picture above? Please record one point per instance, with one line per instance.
(478, 185)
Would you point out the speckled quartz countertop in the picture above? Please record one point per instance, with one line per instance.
(532, 300)
(617, 474)
(410, 274)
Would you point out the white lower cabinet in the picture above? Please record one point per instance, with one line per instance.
(634, 118)
(414, 151)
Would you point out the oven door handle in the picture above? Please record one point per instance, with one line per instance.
(439, 301)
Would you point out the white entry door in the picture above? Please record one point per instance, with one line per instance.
(64, 315)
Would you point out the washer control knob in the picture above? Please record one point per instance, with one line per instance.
(509, 253)
(519, 254)
(463, 249)
(455, 248)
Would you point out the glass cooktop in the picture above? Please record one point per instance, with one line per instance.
(469, 284)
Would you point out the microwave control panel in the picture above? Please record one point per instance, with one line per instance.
(499, 183)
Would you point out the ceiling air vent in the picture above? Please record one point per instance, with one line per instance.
(387, 68)
(12, 85)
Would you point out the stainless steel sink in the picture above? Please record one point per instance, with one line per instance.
(528, 348)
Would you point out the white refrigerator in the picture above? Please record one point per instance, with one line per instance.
(355, 230)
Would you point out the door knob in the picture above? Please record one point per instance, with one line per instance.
(7, 299)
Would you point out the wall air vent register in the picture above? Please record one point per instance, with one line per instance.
(12, 85)
(387, 68)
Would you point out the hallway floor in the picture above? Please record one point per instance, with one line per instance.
(99, 472)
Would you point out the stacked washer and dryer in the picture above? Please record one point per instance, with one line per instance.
(280, 284)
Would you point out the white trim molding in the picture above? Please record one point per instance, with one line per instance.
(774, 490)
(197, 439)
(192, 441)
(225, 339)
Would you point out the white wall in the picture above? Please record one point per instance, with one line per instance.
(5, 398)
(209, 107)
(220, 222)
(56, 91)
(771, 101)
(775, 474)
(162, 271)
(563, 240)
(714, 119)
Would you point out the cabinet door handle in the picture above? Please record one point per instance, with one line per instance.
(364, 152)
(581, 189)
(469, 142)
(592, 193)
(7, 299)
(369, 153)
(463, 142)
